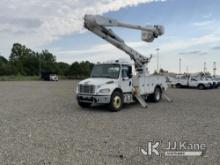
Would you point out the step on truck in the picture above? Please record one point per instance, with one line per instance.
(114, 83)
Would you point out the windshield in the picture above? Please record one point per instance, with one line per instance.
(106, 71)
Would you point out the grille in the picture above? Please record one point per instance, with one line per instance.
(87, 89)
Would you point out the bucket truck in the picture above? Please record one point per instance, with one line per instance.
(113, 83)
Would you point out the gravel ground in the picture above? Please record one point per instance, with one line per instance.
(41, 124)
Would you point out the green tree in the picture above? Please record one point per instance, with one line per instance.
(6, 68)
(24, 59)
(48, 61)
(79, 70)
(62, 68)
(74, 70)
(3, 60)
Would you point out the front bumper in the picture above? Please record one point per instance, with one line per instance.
(94, 99)
(216, 84)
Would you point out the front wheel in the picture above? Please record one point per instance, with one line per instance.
(116, 102)
(157, 94)
(201, 86)
(178, 86)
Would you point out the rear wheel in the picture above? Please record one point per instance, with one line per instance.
(116, 102)
(84, 105)
(157, 94)
(201, 86)
(178, 86)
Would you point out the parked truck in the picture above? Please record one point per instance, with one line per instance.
(189, 81)
(206, 77)
(215, 83)
(49, 76)
(113, 83)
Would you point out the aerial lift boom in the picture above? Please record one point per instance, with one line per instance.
(98, 25)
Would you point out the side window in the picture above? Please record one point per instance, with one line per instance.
(126, 71)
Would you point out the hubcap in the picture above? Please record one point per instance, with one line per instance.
(117, 102)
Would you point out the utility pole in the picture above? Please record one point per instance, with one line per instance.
(180, 65)
(214, 68)
(157, 59)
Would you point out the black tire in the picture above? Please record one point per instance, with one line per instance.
(116, 102)
(157, 95)
(201, 87)
(178, 86)
(84, 105)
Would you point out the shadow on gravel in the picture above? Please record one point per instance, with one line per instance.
(104, 108)
(126, 107)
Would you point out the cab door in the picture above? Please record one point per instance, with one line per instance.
(193, 82)
(126, 78)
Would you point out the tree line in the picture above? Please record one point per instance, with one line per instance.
(26, 62)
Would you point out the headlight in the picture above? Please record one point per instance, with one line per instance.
(106, 90)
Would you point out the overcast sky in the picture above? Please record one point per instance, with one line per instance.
(192, 29)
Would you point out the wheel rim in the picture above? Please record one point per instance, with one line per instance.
(117, 102)
(157, 95)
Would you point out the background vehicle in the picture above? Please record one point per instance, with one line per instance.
(191, 82)
(49, 76)
(53, 77)
(217, 79)
(213, 80)
(207, 77)
(113, 83)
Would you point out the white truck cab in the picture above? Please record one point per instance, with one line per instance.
(114, 84)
